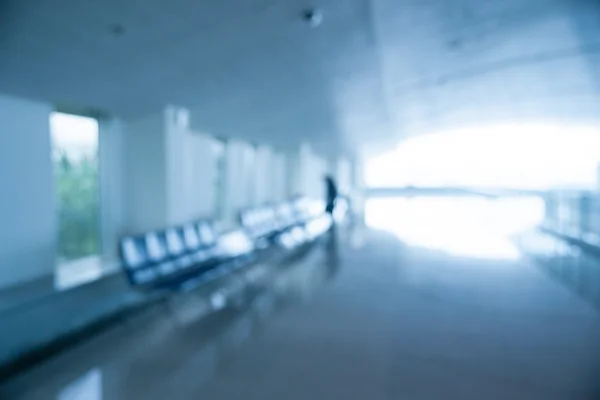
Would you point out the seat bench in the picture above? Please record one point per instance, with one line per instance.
(288, 224)
(171, 258)
(180, 257)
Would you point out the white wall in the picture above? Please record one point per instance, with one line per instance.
(279, 176)
(184, 181)
(240, 179)
(306, 173)
(27, 208)
(270, 176)
(343, 175)
(145, 174)
(192, 174)
(358, 181)
(263, 190)
(112, 186)
(311, 171)
(172, 172)
(261, 175)
(293, 184)
(204, 173)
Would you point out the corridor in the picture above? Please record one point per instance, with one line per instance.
(361, 315)
(264, 199)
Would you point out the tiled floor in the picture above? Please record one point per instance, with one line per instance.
(360, 317)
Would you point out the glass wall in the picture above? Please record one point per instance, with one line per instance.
(76, 172)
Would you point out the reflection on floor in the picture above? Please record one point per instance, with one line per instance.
(568, 264)
(362, 316)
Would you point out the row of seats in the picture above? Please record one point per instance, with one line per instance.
(178, 256)
(175, 255)
(289, 224)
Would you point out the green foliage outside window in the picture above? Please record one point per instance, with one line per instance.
(76, 185)
(78, 206)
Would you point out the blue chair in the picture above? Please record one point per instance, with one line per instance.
(318, 226)
(236, 249)
(194, 248)
(206, 233)
(177, 249)
(191, 240)
(184, 256)
(156, 248)
(135, 261)
(208, 254)
(250, 221)
(258, 225)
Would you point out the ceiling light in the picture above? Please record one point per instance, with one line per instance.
(313, 17)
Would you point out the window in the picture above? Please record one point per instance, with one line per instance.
(76, 172)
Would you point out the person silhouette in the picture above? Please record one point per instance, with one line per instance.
(331, 193)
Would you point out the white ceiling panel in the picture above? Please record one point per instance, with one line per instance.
(373, 72)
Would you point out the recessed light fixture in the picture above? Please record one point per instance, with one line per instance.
(313, 17)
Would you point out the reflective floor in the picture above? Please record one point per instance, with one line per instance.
(366, 314)
(567, 264)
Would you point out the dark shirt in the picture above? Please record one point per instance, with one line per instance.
(331, 193)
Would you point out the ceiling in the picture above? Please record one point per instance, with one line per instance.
(375, 71)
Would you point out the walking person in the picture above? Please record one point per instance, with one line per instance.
(332, 193)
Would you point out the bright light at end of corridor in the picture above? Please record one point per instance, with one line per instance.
(469, 227)
(520, 156)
